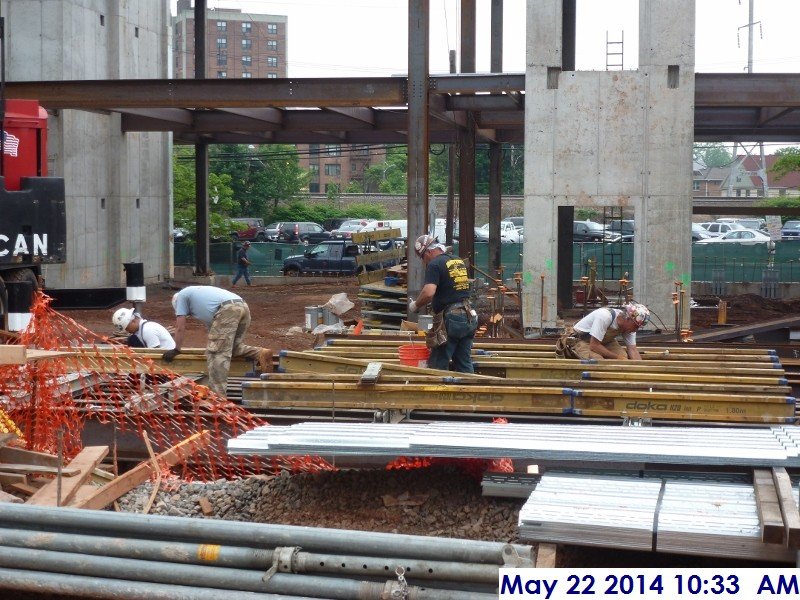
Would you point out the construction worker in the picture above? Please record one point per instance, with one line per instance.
(447, 287)
(242, 262)
(143, 333)
(595, 335)
(227, 318)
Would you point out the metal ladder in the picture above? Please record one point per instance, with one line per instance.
(614, 51)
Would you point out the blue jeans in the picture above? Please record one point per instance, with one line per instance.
(241, 271)
(460, 332)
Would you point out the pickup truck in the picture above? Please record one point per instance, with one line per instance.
(337, 257)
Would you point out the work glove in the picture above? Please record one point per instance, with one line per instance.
(170, 355)
(412, 305)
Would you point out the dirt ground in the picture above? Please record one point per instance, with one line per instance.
(277, 311)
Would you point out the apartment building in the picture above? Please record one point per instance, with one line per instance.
(237, 44)
(338, 164)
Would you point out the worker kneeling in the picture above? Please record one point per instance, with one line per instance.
(143, 333)
(595, 335)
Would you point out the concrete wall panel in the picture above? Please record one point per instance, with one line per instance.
(544, 33)
(575, 149)
(666, 32)
(540, 126)
(69, 40)
(620, 139)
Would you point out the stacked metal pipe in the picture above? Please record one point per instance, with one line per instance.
(97, 554)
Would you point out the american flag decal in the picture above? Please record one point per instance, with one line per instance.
(10, 143)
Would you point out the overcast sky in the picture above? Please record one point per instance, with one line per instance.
(362, 38)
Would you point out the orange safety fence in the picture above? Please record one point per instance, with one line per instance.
(105, 381)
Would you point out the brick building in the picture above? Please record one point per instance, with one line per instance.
(338, 164)
(237, 44)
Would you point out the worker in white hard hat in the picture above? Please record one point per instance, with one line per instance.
(447, 288)
(143, 333)
(595, 335)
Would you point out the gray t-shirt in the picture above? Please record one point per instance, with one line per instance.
(201, 302)
(598, 322)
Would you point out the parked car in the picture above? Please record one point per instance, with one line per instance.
(747, 237)
(753, 223)
(400, 224)
(249, 228)
(302, 232)
(698, 233)
(179, 234)
(622, 227)
(335, 222)
(790, 230)
(517, 221)
(348, 228)
(717, 229)
(333, 257)
(589, 231)
(509, 234)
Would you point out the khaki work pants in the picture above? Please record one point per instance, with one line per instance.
(225, 341)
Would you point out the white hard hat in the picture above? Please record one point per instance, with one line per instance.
(425, 243)
(122, 318)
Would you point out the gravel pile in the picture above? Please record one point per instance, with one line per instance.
(436, 501)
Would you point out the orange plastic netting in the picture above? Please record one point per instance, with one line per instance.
(101, 381)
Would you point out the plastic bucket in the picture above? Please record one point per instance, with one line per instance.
(414, 355)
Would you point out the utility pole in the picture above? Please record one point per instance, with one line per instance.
(762, 170)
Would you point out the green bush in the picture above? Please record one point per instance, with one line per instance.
(317, 213)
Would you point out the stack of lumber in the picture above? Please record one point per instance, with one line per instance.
(382, 306)
(40, 479)
(704, 515)
(707, 384)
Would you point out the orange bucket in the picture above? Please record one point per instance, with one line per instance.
(414, 355)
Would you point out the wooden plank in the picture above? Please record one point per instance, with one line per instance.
(545, 556)
(86, 461)
(10, 454)
(23, 488)
(370, 276)
(12, 354)
(769, 509)
(9, 478)
(141, 472)
(789, 510)
(19, 468)
(84, 492)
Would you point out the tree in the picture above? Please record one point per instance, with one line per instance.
(390, 176)
(184, 193)
(711, 155)
(788, 161)
(261, 176)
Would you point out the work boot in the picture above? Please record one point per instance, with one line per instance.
(265, 360)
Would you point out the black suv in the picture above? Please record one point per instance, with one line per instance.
(302, 232)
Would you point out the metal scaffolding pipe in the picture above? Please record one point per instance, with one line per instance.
(217, 577)
(245, 558)
(262, 535)
(79, 586)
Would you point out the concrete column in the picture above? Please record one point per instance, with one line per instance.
(620, 138)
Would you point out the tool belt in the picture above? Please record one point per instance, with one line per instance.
(437, 334)
(566, 343)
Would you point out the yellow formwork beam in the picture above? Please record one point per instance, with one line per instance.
(267, 394)
(761, 412)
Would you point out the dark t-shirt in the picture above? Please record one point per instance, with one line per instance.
(241, 257)
(449, 273)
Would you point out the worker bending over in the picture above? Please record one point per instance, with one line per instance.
(227, 318)
(143, 333)
(595, 335)
(446, 286)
